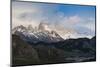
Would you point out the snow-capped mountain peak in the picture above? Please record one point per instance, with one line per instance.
(20, 28)
(40, 33)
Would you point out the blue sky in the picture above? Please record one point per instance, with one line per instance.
(77, 19)
(84, 11)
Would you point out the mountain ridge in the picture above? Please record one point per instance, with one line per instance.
(70, 50)
(38, 34)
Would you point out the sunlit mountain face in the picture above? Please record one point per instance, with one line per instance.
(67, 20)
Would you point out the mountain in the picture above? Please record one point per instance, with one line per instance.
(42, 45)
(25, 53)
(41, 33)
(22, 52)
(81, 49)
(20, 28)
(69, 50)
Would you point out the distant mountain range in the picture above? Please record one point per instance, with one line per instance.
(34, 35)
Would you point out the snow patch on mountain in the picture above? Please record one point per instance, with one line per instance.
(40, 33)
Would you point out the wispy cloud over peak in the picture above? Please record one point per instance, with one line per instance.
(74, 19)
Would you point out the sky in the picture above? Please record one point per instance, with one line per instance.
(67, 19)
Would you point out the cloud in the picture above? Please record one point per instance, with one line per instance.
(74, 19)
(90, 26)
(24, 13)
(27, 13)
(88, 23)
(67, 21)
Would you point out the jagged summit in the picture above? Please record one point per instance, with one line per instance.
(44, 27)
(40, 33)
(20, 28)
